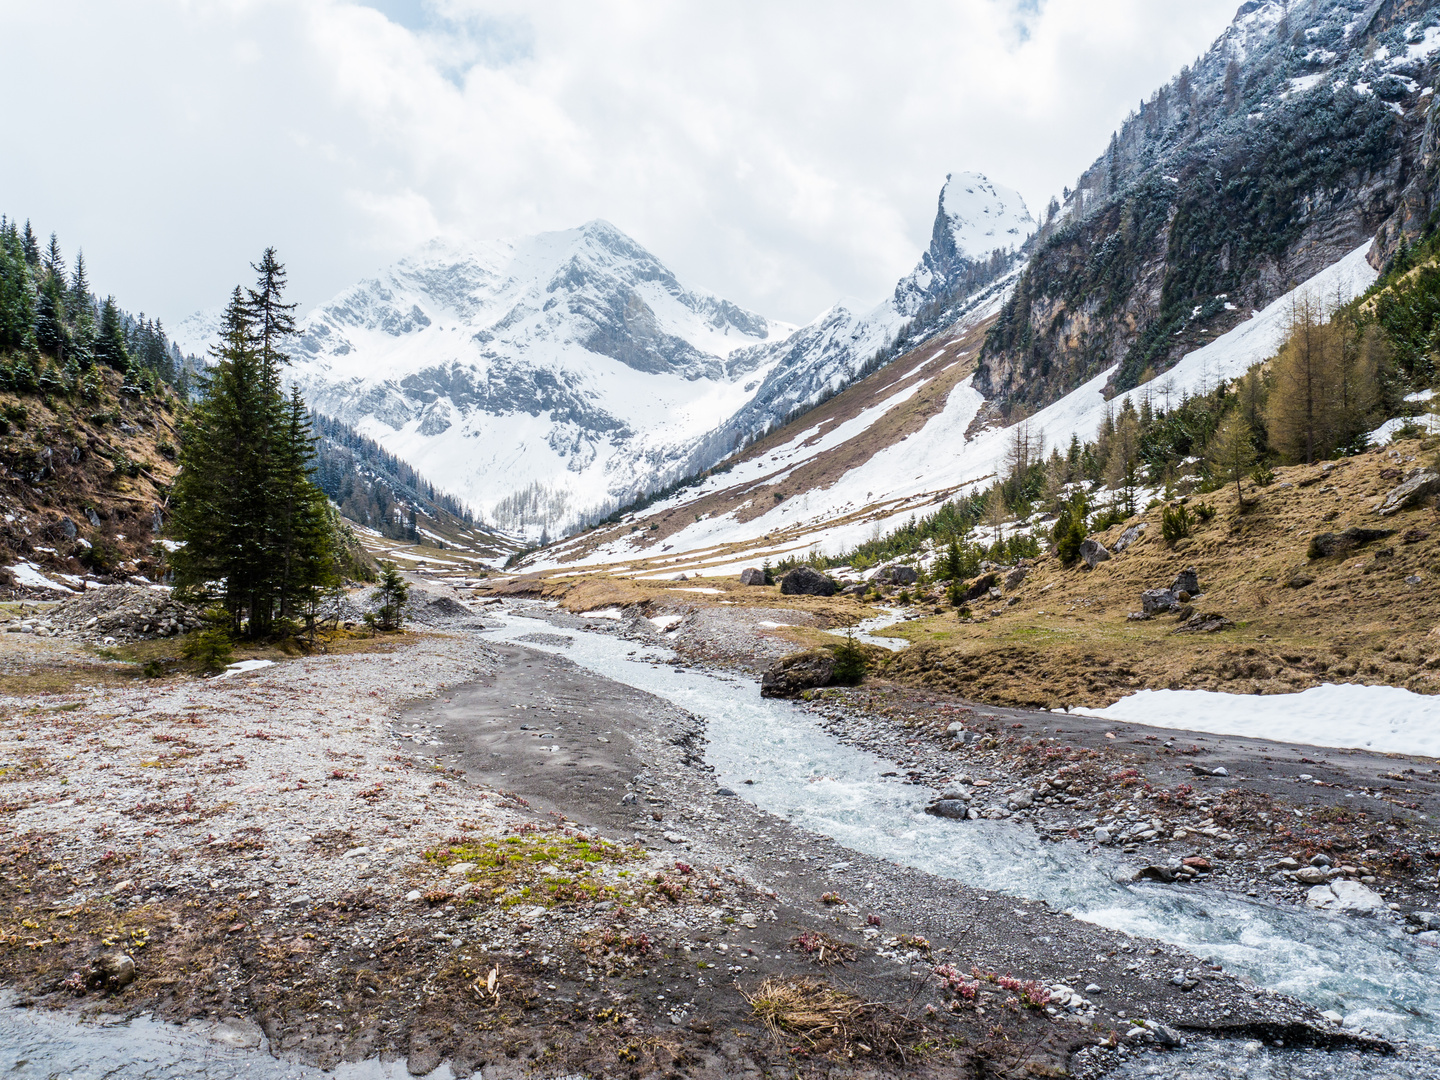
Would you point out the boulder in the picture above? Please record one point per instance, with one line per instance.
(804, 581)
(1186, 581)
(791, 674)
(901, 575)
(752, 576)
(1158, 601)
(949, 808)
(111, 971)
(1420, 484)
(1093, 552)
(1014, 578)
(1129, 536)
(1204, 623)
(1349, 897)
(980, 587)
(858, 589)
(1157, 873)
(1324, 545)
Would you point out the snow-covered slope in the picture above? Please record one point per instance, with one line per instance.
(547, 380)
(886, 479)
(543, 380)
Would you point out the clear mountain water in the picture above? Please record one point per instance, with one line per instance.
(1380, 979)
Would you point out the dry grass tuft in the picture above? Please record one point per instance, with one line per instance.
(830, 1021)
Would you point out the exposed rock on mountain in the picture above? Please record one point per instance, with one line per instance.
(1296, 137)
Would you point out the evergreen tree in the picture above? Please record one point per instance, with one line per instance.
(31, 247)
(77, 299)
(52, 334)
(17, 293)
(110, 339)
(54, 264)
(252, 519)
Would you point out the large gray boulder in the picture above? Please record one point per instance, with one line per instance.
(1093, 552)
(1129, 536)
(804, 581)
(791, 674)
(1158, 601)
(981, 587)
(1420, 484)
(752, 576)
(1015, 578)
(1186, 581)
(1349, 897)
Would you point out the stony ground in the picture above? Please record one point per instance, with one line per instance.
(451, 851)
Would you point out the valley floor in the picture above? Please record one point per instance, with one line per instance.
(465, 847)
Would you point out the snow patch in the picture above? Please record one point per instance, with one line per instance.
(1387, 719)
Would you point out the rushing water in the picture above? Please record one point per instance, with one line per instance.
(39, 1045)
(1379, 978)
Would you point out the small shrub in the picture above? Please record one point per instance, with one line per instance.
(904, 597)
(153, 669)
(1175, 523)
(391, 596)
(1262, 475)
(850, 662)
(210, 649)
(1204, 511)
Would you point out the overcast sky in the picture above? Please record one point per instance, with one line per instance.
(782, 155)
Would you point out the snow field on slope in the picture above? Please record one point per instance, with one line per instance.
(1386, 719)
(984, 216)
(938, 458)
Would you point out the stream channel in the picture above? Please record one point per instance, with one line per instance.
(1364, 968)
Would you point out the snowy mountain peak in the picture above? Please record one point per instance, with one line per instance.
(983, 216)
(975, 218)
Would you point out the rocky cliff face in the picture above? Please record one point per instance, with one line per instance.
(1292, 141)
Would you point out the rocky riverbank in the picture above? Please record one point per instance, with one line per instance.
(451, 850)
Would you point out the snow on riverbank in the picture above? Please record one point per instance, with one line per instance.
(1387, 719)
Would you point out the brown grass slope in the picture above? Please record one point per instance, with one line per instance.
(1370, 615)
(942, 362)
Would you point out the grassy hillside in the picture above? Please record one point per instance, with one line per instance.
(84, 479)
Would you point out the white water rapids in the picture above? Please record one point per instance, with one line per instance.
(1379, 978)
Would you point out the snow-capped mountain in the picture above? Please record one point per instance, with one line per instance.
(976, 219)
(547, 380)
(543, 380)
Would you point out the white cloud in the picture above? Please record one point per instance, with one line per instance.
(782, 155)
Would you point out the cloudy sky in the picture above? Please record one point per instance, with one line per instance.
(782, 155)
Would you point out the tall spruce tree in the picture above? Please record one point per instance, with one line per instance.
(252, 519)
(110, 345)
(17, 292)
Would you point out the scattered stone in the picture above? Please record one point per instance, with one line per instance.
(1420, 484)
(1311, 875)
(1158, 601)
(111, 971)
(1186, 581)
(752, 576)
(805, 581)
(980, 587)
(1348, 897)
(1203, 623)
(1129, 536)
(1324, 545)
(948, 808)
(791, 674)
(1093, 552)
(898, 575)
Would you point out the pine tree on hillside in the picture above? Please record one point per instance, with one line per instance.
(110, 346)
(17, 297)
(52, 334)
(31, 247)
(77, 298)
(54, 264)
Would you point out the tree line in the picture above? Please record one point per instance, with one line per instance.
(54, 331)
